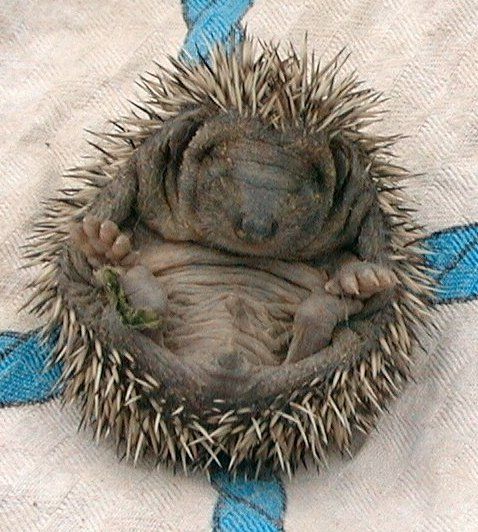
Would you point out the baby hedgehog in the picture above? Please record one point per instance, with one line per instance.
(236, 278)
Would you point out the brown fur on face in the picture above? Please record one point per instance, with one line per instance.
(240, 185)
(254, 190)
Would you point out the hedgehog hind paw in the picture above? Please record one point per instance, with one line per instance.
(143, 290)
(361, 280)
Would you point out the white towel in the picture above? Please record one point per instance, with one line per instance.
(70, 65)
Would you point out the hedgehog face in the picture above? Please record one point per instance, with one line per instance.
(253, 190)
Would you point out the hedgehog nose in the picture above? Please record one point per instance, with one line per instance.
(257, 229)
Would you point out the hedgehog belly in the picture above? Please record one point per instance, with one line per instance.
(228, 309)
(220, 304)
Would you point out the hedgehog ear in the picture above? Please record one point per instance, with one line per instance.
(177, 133)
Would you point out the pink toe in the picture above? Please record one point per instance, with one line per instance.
(91, 226)
(108, 232)
(121, 247)
(332, 287)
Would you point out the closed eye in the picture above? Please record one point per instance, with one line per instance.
(206, 152)
(341, 163)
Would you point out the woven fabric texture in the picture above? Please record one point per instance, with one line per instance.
(70, 65)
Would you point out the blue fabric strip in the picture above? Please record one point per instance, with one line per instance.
(253, 505)
(24, 377)
(210, 22)
(455, 258)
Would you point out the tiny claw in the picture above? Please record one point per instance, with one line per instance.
(108, 232)
(332, 287)
(374, 277)
(350, 284)
(91, 226)
(121, 247)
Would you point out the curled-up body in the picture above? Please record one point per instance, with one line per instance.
(240, 278)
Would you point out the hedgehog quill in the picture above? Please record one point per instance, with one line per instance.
(236, 277)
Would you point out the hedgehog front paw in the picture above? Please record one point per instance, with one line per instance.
(103, 243)
(361, 279)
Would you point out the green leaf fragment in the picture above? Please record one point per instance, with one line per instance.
(133, 317)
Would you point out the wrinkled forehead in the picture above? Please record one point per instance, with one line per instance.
(254, 146)
(229, 126)
(262, 162)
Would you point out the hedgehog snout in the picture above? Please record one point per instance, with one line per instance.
(255, 229)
